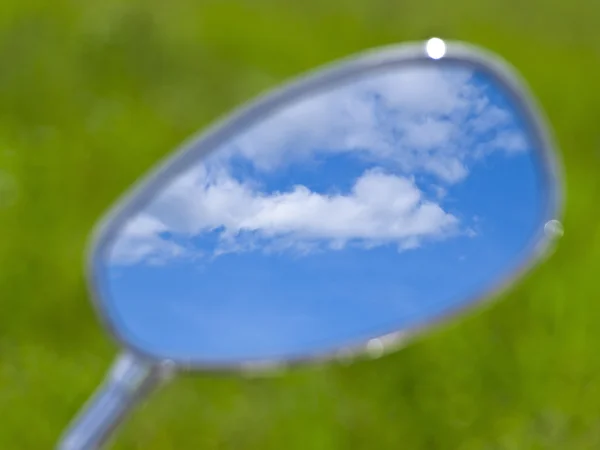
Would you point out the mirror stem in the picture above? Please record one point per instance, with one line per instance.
(129, 381)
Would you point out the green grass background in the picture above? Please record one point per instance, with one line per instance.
(93, 93)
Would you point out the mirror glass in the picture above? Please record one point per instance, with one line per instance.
(374, 206)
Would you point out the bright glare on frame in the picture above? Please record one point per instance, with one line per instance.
(436, 48)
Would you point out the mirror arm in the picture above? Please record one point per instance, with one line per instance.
(128, 382)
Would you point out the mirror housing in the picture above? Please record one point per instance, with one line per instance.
(391, 132)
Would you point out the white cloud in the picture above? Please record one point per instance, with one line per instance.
(140, 240)
(380, 209)
(420, 121)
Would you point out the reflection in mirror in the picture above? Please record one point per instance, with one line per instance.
(372, 207)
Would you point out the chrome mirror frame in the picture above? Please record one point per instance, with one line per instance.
(136, 371)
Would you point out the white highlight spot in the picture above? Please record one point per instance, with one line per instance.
(375, 348)
(554, 229)
(436, 48)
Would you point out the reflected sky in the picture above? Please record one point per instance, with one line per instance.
(374, 207)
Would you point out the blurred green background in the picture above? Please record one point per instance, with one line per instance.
(93, 93)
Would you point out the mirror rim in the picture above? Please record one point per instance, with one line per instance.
(244, 116)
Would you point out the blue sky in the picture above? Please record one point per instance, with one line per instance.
(358, 212)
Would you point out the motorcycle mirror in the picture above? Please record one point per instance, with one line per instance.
(335, 216)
